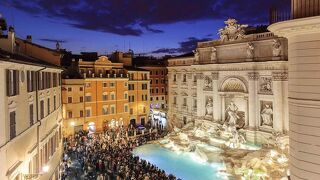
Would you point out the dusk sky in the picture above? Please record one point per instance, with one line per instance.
(147, 26)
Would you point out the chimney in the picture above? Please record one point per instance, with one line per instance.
(12, 39)
(29, 38)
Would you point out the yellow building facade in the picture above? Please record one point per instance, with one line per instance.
(107, 95)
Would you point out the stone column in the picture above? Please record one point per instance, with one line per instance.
(200, 97)
(216, 98)
(223, 107)
(278, 114)
(304, 97)
(253, 113)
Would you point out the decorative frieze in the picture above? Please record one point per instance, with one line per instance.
(200, 76)
(265, 85)
(253, 75)
(279, 76)
(215, 75)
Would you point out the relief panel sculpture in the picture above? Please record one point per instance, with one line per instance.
(265, 85)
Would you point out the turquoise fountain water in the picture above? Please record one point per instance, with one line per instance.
(183, 165)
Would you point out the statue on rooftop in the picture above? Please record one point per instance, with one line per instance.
(232, 31)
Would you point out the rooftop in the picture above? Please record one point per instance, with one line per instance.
(23, 59)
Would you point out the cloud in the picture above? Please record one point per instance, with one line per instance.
(185, 46)
(53, 40)
(136, 17)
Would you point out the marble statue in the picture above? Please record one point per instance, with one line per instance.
(266, 115)
(209, 106)
(231, 111)
(207, 83)
(250, 50)
(213, 54)
(276, 48)
(196, 55)
(232, 31)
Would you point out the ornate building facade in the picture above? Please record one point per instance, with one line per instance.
(239, 79)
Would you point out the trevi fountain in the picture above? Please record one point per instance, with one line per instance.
(228, 105)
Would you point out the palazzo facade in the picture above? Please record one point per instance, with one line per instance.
(239, 79)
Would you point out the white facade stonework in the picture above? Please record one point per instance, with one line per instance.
(242, 81)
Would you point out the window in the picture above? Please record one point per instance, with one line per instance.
(150, 72)
(125, 95)
(105, 110)
(80, 88)
(144, 109)
(55, 102)
(157, 98)
(69, 114)
(104, 97)
(48, 106)
(126, 84)
(54, 79)
(126, 108)
(81, 98)
(41, 109)
(105, 84)
(174, 78)
(112, 96)
(88, 112)
(157, 90)
(162, 72)
(112, 84)
(184, 101)
(162, 90)
(131, 110)
(194, 79)
(146, 97)
(156, 72)
(113, 111)
(81, 113)
(144, 86)
(131, 86)
(162, 98)
(184, 120)
(151, 98)
(131, 98)
(152, 91)
(184, 78)
(69, 89)
(88, 85)
(174, 100)
(31, 114)
(12, 125)
(157, 81)
(195, 103)
(69, 99)
(151, 81)
(12, 82)
(88, 98)
(31, 81)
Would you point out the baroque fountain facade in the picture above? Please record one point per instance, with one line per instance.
(228, 102)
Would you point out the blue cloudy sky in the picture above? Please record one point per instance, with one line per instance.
(147, 26)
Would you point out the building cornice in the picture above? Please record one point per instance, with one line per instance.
(297, 26)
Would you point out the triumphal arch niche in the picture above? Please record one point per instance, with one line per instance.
(234, 101)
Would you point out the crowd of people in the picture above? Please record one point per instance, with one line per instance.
(108, 155)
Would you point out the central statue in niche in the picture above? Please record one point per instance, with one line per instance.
(234, 118)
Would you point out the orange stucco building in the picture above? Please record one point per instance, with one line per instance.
(105, 95)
